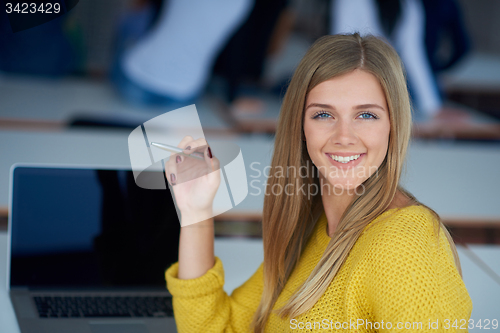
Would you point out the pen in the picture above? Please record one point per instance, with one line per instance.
(177, 150)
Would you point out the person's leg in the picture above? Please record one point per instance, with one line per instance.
(242, 60)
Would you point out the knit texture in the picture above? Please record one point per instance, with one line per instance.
(400, 271)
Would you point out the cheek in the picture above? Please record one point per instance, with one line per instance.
(315, 142)
(307, 130)
(379, 144)
(312, 148)
(312, 138)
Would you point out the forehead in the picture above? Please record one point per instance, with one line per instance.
(356, 87)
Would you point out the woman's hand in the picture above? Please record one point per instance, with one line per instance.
(194, 181)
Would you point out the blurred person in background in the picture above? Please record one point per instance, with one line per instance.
(241, 62)
(166, 50)
(446, 42)
(415, 28)
(46, 50)
(171, 61)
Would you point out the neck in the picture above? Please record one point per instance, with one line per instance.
(334, 205)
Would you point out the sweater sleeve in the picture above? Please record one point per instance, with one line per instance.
(414, 280)
(201, 304)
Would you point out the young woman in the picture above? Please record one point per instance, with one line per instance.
(353, 251)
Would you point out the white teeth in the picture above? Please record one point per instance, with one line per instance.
(345, 159)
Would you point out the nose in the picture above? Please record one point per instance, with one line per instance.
(344, 133)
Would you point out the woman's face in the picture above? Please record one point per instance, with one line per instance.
(346, 127)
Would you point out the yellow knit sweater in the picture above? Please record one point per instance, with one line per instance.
(399, 274)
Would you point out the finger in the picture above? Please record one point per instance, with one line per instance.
(194, 144)
(171, 170)
(213, 165)
(185, 141)
(212, 161)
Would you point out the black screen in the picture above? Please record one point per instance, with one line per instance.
(90, 228)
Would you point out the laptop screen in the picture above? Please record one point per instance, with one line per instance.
(89, 228)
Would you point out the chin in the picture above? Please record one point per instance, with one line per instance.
(340, 187)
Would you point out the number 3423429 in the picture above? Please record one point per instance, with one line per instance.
(32, 8)
(485, 324)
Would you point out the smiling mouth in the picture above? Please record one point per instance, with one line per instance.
(344, 159)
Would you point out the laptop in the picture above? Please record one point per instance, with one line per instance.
(88, 250)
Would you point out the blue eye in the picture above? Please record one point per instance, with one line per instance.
(326, 115)
(321, 115)
(368, 115)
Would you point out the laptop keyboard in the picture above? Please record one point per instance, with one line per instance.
(86, 307)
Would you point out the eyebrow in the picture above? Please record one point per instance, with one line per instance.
(357, 107)
(368, 106)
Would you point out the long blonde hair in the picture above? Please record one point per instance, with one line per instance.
(285, 234)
